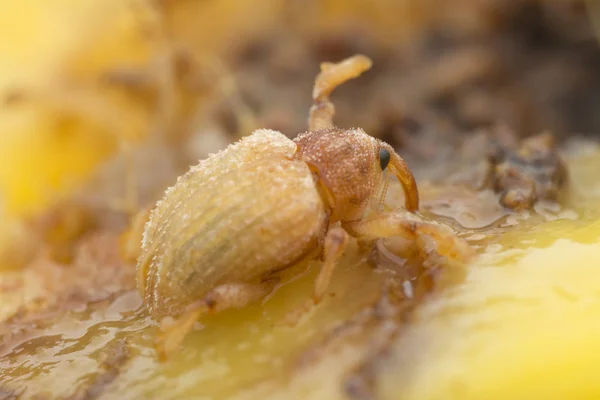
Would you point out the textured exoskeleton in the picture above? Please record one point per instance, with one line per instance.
(237, 215)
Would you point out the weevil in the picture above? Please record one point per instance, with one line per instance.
(233, 221)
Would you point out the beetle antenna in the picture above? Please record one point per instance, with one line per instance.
(331, 76)
(407, 180)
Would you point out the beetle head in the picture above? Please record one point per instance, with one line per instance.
(349, 166)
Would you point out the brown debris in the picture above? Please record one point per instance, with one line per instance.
(9, 394)
(526, 174)
(116, 356)
(96, 274)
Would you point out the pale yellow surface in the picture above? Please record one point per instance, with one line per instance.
(56, 47)
(56, 51)
(528, 329)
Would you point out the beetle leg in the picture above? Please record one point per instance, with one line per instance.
(335, 242)
(384, 225)
(230, 295)
(415, 231)
(172, 336)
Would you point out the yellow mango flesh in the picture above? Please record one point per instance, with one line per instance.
(520, 329)
(524, 324)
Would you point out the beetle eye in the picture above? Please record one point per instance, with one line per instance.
(384, 158)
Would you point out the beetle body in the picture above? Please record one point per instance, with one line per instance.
(248, 210)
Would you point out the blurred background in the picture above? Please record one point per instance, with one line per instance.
(103, 103)
(81, 82)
